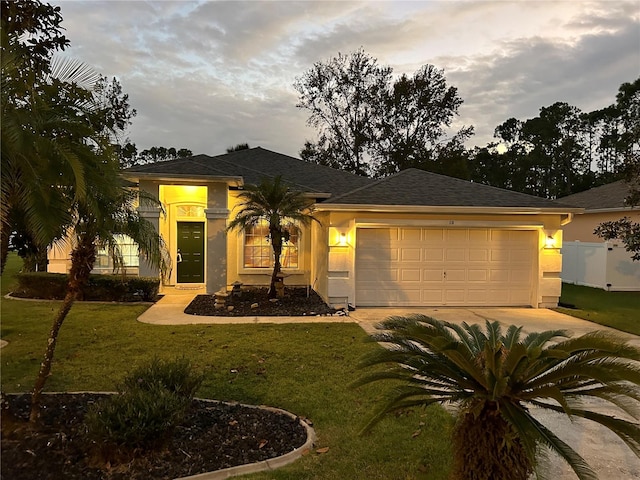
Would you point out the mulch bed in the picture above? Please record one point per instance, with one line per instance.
(213, 436)
(296, 302)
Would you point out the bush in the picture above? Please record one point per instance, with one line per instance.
(107, 288)
(175, 376)
(151, 403)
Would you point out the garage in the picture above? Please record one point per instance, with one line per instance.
(415, 266)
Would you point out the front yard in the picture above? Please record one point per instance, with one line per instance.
(303, 368)
(620, 310)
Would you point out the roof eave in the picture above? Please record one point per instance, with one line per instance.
(183, 178)
(612, 209)
(447, 209)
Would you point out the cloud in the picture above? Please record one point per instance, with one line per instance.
(209, 74)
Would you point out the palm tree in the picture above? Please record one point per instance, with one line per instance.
(110, 211)
(494, 379)
(47, 136)
(284, 209)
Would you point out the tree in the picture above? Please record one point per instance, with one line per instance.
(282, 208)
(36, 107)
(238, 147)
(627, 111)
(369, 124)
(417, 112)
(59, 122)
(344, 97)
(110, 211)
(494, 379)
(130, 157)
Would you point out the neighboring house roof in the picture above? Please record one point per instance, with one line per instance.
(252, 165)
(413, 187)
(609, 196)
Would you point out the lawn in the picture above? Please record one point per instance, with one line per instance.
(304, 368)
(620, 310)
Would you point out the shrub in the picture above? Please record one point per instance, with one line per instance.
(175, 376)
(137, 420)
(108, 288)
(151, 403)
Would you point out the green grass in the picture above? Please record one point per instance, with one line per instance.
(303, 368)
(619, 310)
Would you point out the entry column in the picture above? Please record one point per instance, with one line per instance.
(216, 249)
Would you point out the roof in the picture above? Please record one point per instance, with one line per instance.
(413, 187)
(254, 164)
(611, 195)
(409, 188)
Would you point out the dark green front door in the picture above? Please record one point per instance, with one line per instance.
(190, 258)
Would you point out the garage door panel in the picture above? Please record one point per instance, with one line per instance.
(433, 254)
(477, 275)
(411, 234)
(455, 255)
(432, 275)
(410, 254)
(432, 297)
(431, 266)
(456, 275)
(478, 254)
(410, 275)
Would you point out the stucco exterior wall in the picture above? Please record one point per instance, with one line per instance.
(582, 226)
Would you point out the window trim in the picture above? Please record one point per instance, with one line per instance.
(242, 269)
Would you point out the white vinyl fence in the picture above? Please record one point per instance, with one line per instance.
(602, 265)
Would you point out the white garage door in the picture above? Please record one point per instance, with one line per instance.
(430, 266)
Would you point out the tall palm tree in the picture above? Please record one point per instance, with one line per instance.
(47, 136)
(495, 378)
(100, 218)
(284, 209)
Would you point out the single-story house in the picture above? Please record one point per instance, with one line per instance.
(412, 239)
(590, 260)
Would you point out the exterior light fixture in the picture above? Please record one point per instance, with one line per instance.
(343, 239)
(549, 242)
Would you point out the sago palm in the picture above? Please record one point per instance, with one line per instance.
(494, 378)
(282, 208)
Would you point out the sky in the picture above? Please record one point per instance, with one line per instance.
(207, 75)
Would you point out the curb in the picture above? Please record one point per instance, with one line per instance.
(270, 464)
(264, 465)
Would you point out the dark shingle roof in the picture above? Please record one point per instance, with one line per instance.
(255, 163)
(420, 188)
(410, 187)
(611, 195)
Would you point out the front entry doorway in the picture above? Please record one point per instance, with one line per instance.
(190, 255)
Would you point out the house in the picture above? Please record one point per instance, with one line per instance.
(412, 239)
(590, 260)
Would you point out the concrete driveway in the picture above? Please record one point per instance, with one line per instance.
(603, 450)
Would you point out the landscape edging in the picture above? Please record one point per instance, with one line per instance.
(270, 464)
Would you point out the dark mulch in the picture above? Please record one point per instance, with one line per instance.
(296, 302)
(213, 436)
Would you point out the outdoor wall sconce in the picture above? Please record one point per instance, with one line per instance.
(338, 237)
(549, 242)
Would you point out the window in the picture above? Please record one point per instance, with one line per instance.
(128, 249)
(258, 252)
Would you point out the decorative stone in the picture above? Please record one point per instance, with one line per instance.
(254, 305)
(230, 308)
(274, 300)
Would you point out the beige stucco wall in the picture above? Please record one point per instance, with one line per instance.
(341, 256)
(582, 226)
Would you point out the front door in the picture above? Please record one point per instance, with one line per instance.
(190, 255)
